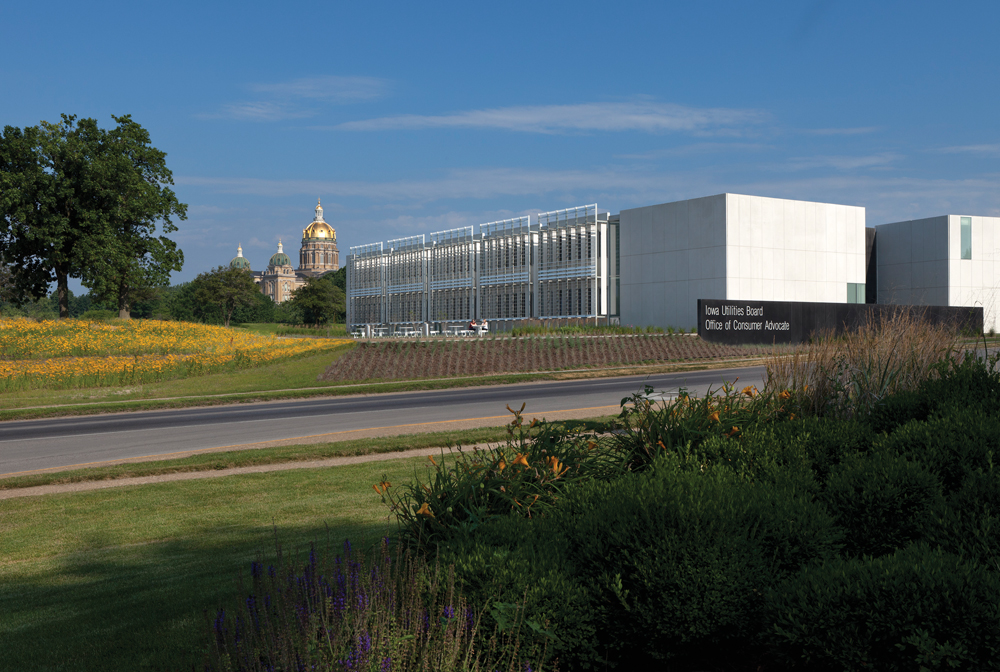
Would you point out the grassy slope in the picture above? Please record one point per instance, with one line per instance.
(119, 579)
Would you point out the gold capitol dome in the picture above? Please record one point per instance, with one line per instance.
(319, 229)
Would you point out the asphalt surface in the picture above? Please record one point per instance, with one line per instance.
(33, 445)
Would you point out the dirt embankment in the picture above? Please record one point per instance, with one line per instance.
(403, 359)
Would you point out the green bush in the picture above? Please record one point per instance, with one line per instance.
(677, 561)
(650, 429)
(918, 609)
(969, 525)
(882, 501)
(899, 409)
(99, 314)
(513, 560)
(825, 441)
(526, 476)
(952, 445)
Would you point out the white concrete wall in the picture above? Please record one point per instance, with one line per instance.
(913, 261)
(733, 246)
(976, 281)
(920, 262)
(784, 250)
(672, 255)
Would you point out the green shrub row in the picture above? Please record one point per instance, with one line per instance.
(731, 534)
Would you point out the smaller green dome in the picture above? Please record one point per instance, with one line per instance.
(239, 261)
(279, 258)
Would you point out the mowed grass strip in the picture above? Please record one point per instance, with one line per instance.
(121, 579)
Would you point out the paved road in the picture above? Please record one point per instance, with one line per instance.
(54, 443)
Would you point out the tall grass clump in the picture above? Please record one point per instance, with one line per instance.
(850, 375)
(394, 611)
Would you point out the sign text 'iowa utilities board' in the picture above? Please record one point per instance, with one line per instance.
(736, 321)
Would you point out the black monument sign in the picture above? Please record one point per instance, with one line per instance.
(735, 321)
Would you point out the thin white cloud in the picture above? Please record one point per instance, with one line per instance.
(262, 111)
(861, 130)
(644, 116)
(331, 89)
(985, 150)
(696, 149)
(478, 183)
(284, 100)
(885, 198)
(840, 162)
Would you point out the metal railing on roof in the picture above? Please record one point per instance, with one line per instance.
(460, 235)
(408, 243)
(366, 250)
(506, 226)
(583, 214)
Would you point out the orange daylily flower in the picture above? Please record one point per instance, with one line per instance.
(714, 417)
(502, 465)
(522, 458)
(749, 391)
(431, 458)
(425, 510)
(733, 431)
(557, 467)
(785, 395)
(377, 488)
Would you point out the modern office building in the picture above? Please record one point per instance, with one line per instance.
(737, 247)
(649, 266)
(561, 266)
(950, 260)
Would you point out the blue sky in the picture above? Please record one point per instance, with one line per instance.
(408, 118)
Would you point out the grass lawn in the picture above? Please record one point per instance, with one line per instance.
(331, 330)
(119, 579)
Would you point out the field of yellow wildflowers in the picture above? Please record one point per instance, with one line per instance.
(79, 353)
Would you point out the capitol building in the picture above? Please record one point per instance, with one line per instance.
(318, 255)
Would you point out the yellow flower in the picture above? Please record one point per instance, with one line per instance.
(425, 510)
(522, 458)
(714, 417)
(733, 431)
(785, 395)
(749, 391)
(502, 465)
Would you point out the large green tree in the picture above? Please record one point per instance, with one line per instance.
(78, 201)
(319, 300)
(224, 289)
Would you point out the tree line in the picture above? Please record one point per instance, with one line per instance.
(320, 301)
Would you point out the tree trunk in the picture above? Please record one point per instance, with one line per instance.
(123, 304)
(62, 291)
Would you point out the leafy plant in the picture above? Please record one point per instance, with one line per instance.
(346, 613)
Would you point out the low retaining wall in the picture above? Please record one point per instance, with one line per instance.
(734, 322)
